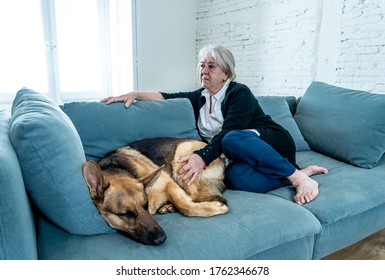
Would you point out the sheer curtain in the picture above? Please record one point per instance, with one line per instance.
(68, 49)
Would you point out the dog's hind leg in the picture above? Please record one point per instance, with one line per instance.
(168, 208)
(185, 205)
(167, 191)
(206, 190)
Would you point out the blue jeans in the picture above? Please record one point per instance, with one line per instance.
(256, 166)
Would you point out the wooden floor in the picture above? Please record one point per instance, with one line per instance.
(370, 248)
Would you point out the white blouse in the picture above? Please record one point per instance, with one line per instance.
(210, 122)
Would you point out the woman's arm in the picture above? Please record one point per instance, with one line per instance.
(238, 108)
(128, 98)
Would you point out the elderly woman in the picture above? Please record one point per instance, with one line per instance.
(260, 153)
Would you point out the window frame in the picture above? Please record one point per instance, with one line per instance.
(48, 19)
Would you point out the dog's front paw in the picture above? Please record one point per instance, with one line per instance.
(221, 208)
(168, 208)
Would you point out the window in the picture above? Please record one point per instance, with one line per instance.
(68, 49)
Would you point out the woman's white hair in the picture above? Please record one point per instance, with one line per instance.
(221, 56)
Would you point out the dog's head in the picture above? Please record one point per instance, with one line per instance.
(122, 202)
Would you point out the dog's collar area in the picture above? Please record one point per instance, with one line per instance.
(148, 190)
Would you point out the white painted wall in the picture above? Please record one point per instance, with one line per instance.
(166, 45)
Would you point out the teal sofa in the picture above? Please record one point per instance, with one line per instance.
(46, 211)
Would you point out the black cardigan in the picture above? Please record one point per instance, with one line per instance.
(240, 110)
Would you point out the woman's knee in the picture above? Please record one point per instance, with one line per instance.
(230, 141)
(230, 137)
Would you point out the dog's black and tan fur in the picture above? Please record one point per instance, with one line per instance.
(132, 183)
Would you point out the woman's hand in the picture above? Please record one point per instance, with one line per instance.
(193, 168)
(127, 98)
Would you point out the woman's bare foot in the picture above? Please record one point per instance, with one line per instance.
(314, 170)
(306, 188)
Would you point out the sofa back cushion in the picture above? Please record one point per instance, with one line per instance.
(278, 107)
(17, 228)
(51, 157)
(346, 124)
(103, 128)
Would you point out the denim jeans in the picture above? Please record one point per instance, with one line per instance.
(255, 165)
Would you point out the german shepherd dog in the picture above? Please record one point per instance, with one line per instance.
(134, 182)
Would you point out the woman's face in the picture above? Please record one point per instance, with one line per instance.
(211, 75)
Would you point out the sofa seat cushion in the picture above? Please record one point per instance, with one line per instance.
(17, 228)
(350, 205)
(346, 124)
(255, 223)
(51, 157)
(345, 191)
(104, 128)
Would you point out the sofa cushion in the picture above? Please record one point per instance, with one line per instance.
(346, 124)
(350, 204)
(103, 128)
(278, 109)
(17, 229)
(345, 191)
(256, 223)
(51, 156)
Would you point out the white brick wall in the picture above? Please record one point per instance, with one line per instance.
(361, 62)
(280, 46)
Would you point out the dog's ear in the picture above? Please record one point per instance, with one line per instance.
(94, 179)
(149, 179)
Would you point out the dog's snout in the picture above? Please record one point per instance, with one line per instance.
(148, 230)
(160, 238)
(155, 236)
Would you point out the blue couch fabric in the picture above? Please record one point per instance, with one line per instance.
(350, 206)
(51, 156)
(17, 227)
(252, 226)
